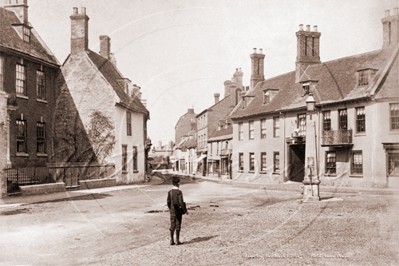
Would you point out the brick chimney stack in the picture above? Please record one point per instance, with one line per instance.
(20, 7)
(308, 49)
(390, 28)
(217, 95)
(79, 31)
(105, 46)
(257, 67)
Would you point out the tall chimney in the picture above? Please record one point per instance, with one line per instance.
(217, 95)
(390, 29)
(79, 31)
(238, 76)
(20, 7)
(105, 46)
(257, 67)
(308, 49)
(227, 84)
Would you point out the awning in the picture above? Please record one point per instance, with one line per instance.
(200, 158)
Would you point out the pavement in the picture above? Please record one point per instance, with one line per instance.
(13, 201)
(296, 186)
(157, 179)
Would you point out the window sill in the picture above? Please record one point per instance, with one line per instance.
(251, 172)
(360, 134)
(135, 171)
(394, 132)
(241, 171)
(330, 175)
(41, 101)
(42, 155)
(276, 173)
(262, 172)
(124, 172)
(22, 96)
(356, 176)
(22, 154)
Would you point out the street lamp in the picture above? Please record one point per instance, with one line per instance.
(311, 180)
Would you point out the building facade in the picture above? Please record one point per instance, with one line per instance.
(99, 116)
(355, 119)
(28, 71)
(208, 120)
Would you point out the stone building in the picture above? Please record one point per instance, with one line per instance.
(100, 117)
(185, 124)
(208, 119)
(28, 71)
(356, 117)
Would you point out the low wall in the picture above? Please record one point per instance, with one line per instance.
(97, 183)
(42, 189)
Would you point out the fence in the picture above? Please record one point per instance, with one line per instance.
(27, 176)
(69, 174)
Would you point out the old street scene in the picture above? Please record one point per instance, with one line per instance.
(182, 144)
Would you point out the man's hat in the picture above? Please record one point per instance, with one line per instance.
(175, 179)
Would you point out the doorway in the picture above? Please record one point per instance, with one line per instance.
(296, 162)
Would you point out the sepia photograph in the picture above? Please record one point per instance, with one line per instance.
(182, 132)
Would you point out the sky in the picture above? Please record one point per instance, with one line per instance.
(180, 52)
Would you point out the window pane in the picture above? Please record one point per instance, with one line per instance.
(331, 163)
(263, 161)
(251, 162)
(343, 119)
(251, 130)
(326, 120)
(20, 79)
(302, 124)
(394, 116)
(357, 162)
(360, 119)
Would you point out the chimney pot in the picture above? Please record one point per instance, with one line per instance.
(307, 27)
(260, 50)
(75, 10)
(217, 95)
(396, 11)
(387, 13)
(83, 11)
(300, 27)
(315, 28)
(254, 50)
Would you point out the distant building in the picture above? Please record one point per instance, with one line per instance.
(99, 116)
(356, 116)
(208, 120)
(185, 124)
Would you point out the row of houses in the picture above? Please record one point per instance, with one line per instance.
(259, 133)
(81, 113)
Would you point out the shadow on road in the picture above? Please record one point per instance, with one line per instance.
(199, 239)
(94, 196)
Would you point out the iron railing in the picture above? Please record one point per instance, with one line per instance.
(27, 176)
(337, 137)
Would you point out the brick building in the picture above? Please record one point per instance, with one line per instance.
(208, 120)
(356, 117)
(28, 71)
(99, 114)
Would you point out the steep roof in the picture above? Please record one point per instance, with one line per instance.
(10, 39)
(336, 82)
(225, 131)
(111, 74)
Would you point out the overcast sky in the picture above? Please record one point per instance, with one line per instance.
(180, 51)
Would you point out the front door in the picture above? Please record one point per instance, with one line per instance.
(296, 165)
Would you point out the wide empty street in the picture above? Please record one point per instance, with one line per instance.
(226, 225)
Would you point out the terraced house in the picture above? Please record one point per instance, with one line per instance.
(356, 116)
(28, 71)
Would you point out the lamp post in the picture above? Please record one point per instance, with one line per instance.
(311, 180)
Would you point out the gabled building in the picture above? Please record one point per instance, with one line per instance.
(185, 136)
(208, 120)
(28, 70)
(100, 116)
(355, 121)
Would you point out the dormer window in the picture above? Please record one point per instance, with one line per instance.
(306, 89)
(365, 76)
(266, 97)
(26, 34)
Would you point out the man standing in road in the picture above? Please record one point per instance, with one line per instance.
(177, 208)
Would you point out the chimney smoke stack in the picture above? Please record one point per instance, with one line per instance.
(300, 27)
(387, 13)
(315, 28)
(217, 95)
(254, 50)
(307, 27)
(105, 46)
